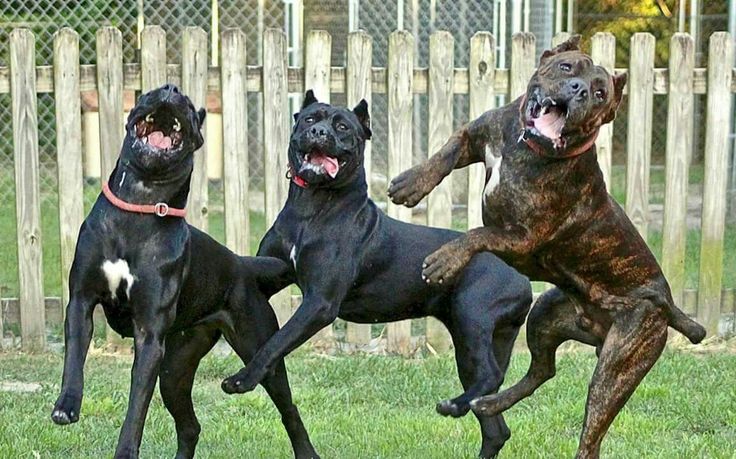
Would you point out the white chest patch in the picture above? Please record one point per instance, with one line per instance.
(494, 162)
(117, 272)
(292, 256)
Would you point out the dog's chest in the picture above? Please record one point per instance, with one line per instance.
(120, 278)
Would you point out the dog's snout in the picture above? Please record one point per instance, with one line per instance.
(578, 88)
(318, 131)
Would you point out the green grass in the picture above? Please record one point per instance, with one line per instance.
(379, 407)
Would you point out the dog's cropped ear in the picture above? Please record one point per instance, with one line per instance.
(271, 274)
(201, 115)
(361, 112)
(619, 82)
(309, 99)
(571, 44)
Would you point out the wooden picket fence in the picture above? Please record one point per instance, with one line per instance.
(482, 81)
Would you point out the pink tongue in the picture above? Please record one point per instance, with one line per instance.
(328, 163)
(550, 124)
(159, 140)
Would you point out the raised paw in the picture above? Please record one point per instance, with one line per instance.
(238, 384)
(443, 265)
(453, 408)
(66, 410)
(486, 406)
(409, 187)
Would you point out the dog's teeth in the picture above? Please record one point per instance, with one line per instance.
(149, 118)
(177, 125)
(144, 139)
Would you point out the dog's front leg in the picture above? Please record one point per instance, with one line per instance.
(78, 329)
(444, 264)
(149, 351)
(314, 314)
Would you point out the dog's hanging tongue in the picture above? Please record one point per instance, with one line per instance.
(551, 123)
(159, 140)
(328, 163)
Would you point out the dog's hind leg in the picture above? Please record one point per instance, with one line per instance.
(552, 321)
(184, 350)
(634, 343)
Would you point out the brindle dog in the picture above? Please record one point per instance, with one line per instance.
(547, 213)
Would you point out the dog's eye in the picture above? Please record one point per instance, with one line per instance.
(342, 126)
(600, 94)
(565, 67)
(309, 120)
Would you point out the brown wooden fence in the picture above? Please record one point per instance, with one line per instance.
(482, 81)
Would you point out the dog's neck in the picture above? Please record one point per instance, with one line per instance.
(128, 183)
(311, 200)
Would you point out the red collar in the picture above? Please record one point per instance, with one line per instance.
(300, 182)
(538, 149)
(160, 208)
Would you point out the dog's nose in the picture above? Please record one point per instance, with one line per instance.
(318, 131)
(578, 88)
(171, 88)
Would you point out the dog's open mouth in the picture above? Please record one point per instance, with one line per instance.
(547, 118)
(160, 129)
(321, 163)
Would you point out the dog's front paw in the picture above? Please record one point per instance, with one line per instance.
(453, 408)
(486, 406)
(66, 409)
(239, 383)
(409, 187)
(445, 263)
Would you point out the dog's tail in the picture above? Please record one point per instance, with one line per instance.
(684, 324)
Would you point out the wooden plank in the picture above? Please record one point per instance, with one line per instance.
(439, 202)
(560, 37)
(523, 45)
(194, 84)
(481, 78)
(717, 126)
(109, 48)
(358, 84)
(603, 52)
(276, 122)
(153, 58)
(400, 100)
(679, 150)
(235, 140)
(27, 194)
(69, 148)
(639, 141)
(318, 53)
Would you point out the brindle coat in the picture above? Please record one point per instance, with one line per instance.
(551, 218)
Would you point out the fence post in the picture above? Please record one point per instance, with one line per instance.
(717, 125)
(69, 150)
(400, 80)
(276, 122)
(109, 49)
(318, 50)
(27, 195)
(153, 58)
(560, 38)
(679, 149)
(235, 140)
(639, 141)
(523, 47)
(439, 202)
(481, 76)
(358, 82)
(603, 52)
(194, 66)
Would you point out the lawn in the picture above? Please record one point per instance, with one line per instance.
(379, 407)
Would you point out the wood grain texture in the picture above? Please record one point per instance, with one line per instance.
(717, 127)
(194, 84)
(439, 203)
(679, 151)
(27, 195)
(523, 47)
(110, 93)
(69, 148)
(318, 53)
(603, 52)
(358, 86)
(153, 58)
(639, 140)
(482, 70)
(235, 140)
(400, 103)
